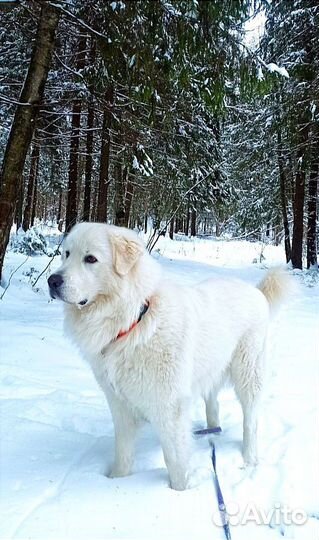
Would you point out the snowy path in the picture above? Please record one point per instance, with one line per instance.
(57, 434)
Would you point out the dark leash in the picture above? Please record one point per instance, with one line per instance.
(219, 494)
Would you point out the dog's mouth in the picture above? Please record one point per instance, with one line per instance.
(58, 295)
(54, 294)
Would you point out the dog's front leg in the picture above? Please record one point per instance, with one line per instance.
(174, 431)
(125, 427)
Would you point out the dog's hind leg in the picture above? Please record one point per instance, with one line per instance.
(212, 409)
(247, 375)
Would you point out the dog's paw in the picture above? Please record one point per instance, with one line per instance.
(250, 460)
(250, 456)
(192, 479)
(117, 472)
(178, 485)
(178, 479)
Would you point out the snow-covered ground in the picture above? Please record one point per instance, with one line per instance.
(57, 433)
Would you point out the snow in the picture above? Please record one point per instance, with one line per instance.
(272, 67)
(57, 433)
(115, 5)
(135, 163)
(260, 75)
(254, 29)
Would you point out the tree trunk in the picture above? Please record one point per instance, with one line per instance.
(104, 179)
(89, 145)
(34, 201)
(24, 121)
(72, 192)
(39, 206)
(31, 186)
(19, 209)
(88, 162)
(59, 216)
(94, 204)
(120, 178)
(171, 229)
(312, 214)
(299, 200)
(45, 207)
(297, 235)
(193, 222)
(128, 198)
(283, 197)
(186, 230)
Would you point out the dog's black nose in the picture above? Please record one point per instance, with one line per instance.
(55, 281)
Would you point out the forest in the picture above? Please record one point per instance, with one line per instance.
(196, 124)
(164, 116)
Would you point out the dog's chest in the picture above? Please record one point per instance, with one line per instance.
(128, 375)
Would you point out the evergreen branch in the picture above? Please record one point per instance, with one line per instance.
(151, 243)
(79, 21)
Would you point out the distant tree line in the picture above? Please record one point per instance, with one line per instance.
(274, 136)
(130, 111)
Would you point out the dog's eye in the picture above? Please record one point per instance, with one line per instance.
(90, 259)
(67, 253)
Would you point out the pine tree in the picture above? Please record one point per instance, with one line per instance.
(24, 122)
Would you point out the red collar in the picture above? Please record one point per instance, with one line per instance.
(123, 333)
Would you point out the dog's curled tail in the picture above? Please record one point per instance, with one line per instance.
(277, 287)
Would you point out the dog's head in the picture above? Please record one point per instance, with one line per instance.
(96, 260)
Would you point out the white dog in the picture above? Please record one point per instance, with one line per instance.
(154, 344)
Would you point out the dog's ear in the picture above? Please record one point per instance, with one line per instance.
(126, 252)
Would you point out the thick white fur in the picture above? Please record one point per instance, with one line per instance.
(187, 344)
